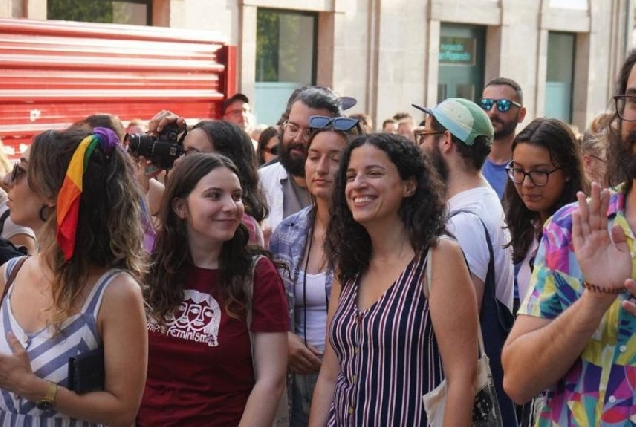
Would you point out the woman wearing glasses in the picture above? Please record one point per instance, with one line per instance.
(545, 173)
(299, 241)
(390, 341)
(267, 149)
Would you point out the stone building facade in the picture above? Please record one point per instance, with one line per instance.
(391, 53)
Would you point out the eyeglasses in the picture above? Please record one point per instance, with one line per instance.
(293, 130)
(626, 107)
(503, 105)
(537, 178)
(16, 173)
(341, 124)
(421, 134)
(271, 150)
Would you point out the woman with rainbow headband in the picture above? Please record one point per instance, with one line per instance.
(79, 194)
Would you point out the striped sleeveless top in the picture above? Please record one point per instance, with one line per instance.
(49, 354)
(388, 355)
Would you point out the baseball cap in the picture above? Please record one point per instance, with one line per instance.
(236, 97)
(463, 118)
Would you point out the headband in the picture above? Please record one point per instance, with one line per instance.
(68, 199)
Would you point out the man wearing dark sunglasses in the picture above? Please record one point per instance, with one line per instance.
(502, 100)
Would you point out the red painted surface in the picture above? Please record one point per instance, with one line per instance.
(53, 73)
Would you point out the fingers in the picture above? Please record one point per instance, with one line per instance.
(162, 119)
(15, 344)
(583, 215)
(619, 238)
(577, 232)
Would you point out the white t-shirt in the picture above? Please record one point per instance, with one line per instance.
(11, 229)
(466, 227)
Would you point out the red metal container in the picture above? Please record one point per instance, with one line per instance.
(53, 73)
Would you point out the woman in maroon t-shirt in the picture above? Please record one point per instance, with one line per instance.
(200, 369)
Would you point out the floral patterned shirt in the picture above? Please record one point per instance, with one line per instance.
(598, 390)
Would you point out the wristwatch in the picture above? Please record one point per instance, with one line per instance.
(46, 403)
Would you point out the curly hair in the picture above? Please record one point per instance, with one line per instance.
(164, 288)
(348, 245)
(110, 222)
(556, 137)
(230, 140)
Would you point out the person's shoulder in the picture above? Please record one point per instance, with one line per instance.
(122, 287)
(271, 170)
(298, 219)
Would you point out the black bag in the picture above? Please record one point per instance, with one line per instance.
(86, 372)
(495, 320)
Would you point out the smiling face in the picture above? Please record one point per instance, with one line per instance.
(529, 157)
(323, 162)
(374, 189)
(214, 208)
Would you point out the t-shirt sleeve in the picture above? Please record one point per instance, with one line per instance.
(556, 280)
(469, 232)
(269, 309)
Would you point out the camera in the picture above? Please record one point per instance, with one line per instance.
(162, 150)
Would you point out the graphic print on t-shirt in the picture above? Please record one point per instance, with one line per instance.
(197, 319)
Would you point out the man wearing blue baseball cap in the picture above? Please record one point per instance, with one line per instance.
(457, 136)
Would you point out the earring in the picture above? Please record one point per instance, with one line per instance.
(45, 212)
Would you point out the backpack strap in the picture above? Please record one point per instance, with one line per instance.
(3, 219)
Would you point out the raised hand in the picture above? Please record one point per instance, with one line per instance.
(164, 118)
(603, 255)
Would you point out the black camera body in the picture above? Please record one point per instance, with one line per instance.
(162, 150)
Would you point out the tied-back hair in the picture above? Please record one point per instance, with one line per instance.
(348, 245)
(233, 142)
(171, 258)
(556, 137)
(110, 222)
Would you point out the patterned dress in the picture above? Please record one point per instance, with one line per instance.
(388, 355)
(49, 354)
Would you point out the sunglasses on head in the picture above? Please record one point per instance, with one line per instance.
(503, 105)
(342, 124)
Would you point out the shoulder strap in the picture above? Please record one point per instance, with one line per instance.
(489, 283)
(3, 219)
(14, 272)
(249, 295)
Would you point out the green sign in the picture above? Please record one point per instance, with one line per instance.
(457, 51)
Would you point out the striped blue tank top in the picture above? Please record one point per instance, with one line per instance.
(388, 355)
(49, 354)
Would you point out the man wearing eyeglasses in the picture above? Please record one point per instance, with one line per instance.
(236, 109)
(502, 100)
(575, 337)
(284, 182)
(457, 136)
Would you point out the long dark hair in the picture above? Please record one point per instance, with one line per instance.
(556, 137)
(171, 257)
(620, 160)
(232, 141)
(348, 245)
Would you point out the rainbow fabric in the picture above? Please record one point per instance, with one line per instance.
(68, 199)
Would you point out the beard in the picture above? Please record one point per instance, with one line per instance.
(439, 163)
(507, 128)
(626, 157)
(292, 164)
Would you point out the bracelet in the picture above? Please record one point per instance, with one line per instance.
(594, 288)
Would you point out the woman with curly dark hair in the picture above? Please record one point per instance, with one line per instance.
(390, 341)
(545, 174)
(200, 365)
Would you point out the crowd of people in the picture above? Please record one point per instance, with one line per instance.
(319, 273)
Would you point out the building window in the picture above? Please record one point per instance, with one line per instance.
(285, 59)
(461, 61)
(560, 76)
(135, 12)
